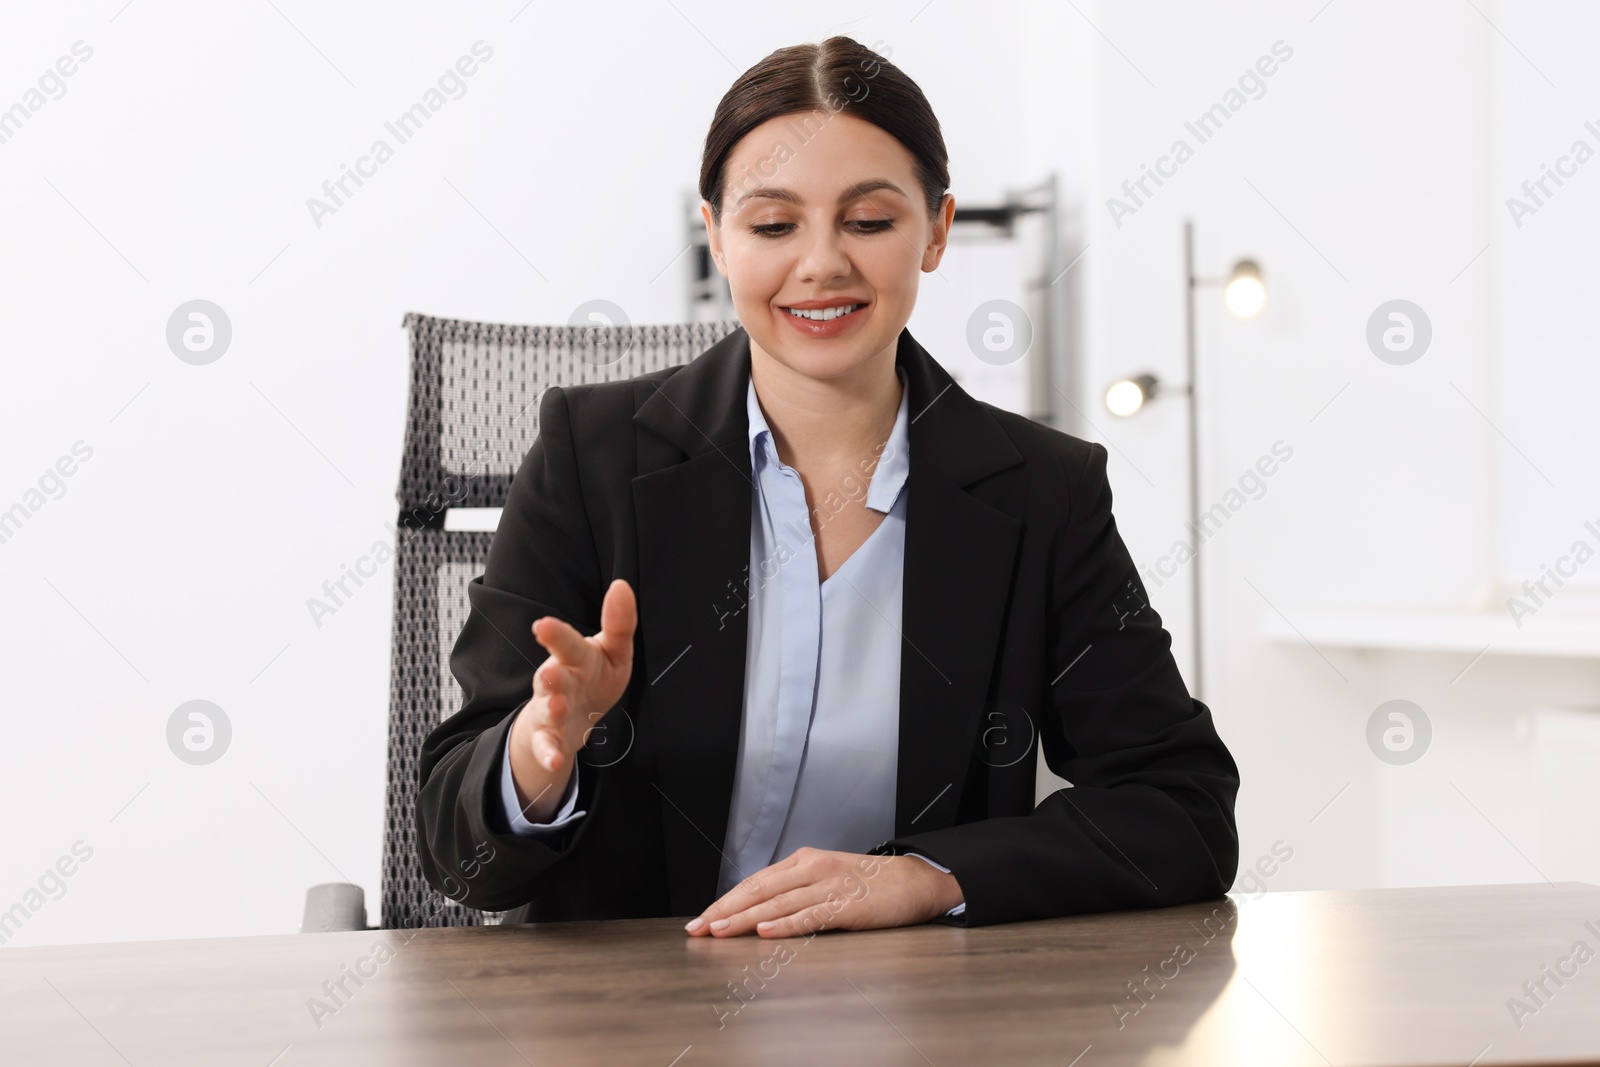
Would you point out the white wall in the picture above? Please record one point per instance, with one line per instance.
(1370, 169)
(217, 499)
(177, 563)
(1547, 379)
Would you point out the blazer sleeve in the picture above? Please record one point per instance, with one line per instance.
(542, 561)
(1148, 820)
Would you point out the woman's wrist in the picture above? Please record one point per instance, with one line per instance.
(948, 894)
(539, 791)
(943, 891)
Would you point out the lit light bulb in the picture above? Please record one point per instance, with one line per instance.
(1245, 293)
(1126, 397)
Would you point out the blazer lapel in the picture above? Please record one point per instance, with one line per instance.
(960, 555)
(692, 506)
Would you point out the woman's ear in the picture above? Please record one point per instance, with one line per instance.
(713, 237)
(940, 237)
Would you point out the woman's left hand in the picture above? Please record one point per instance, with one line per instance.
(814, 889)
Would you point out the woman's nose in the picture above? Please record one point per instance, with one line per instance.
(823, 256)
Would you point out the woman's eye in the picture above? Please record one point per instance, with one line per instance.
(778, 229)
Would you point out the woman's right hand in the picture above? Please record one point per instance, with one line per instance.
(581, 680)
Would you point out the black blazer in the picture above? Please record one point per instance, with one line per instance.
(1026, 629)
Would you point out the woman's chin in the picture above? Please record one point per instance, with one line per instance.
(822, 361)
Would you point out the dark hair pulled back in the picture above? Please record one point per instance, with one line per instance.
(815, 82)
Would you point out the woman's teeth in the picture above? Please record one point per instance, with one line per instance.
(823, 314)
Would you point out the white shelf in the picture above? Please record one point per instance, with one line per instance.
(1542, 634)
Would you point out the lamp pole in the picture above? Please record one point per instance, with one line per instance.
(1244, 293)
(1192, 283)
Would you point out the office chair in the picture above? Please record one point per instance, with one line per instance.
(471, 416)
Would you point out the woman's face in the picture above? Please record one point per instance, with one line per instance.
(825, 209)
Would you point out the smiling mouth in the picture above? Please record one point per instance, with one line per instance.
(824, 314)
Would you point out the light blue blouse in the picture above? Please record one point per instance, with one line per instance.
(819, 741)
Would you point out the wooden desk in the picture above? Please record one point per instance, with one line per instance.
(1401, 976)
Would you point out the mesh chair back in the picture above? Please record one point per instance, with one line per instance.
(471, 417)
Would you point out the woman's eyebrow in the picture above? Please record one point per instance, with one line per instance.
(773, 192)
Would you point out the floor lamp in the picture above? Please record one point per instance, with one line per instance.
(1243, 294)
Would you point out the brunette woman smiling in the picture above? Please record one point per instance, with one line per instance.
(931, 596)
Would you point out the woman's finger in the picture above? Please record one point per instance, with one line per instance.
(547, 749)
(564, 642)
(781, 877)
(778, 906)
(557, 709)
(803, 923)
(619, 615)
(556, 677)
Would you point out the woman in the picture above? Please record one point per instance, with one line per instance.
(837, 606)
